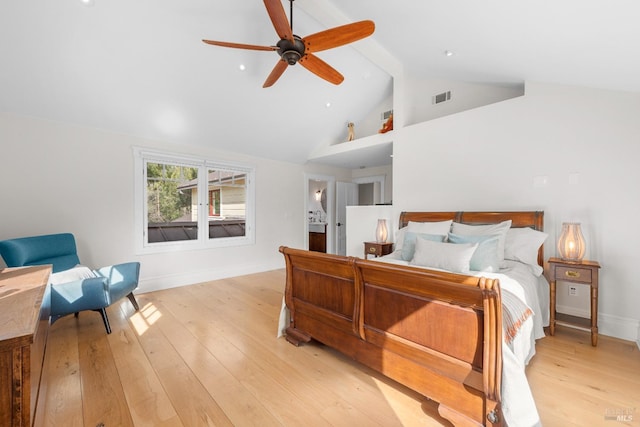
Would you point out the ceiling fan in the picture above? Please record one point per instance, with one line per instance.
(294, 49)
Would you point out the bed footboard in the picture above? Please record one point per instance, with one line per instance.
(437, 333)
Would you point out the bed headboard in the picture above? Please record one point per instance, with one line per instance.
(533, 219)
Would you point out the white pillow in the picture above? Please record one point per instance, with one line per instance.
(447, 256)
(79, 272)
(485, 258)
(441, 228)
(522, 244)
(409, 243)
(400, 238)
(499, 229)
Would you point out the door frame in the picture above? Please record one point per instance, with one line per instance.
(331, 222)
(346, 195)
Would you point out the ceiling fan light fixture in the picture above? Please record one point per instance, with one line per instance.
(291, 51)
(291, 56)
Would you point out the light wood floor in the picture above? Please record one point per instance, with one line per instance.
(207, 355)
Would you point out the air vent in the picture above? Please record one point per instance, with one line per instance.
(442, 97)
(386, 114)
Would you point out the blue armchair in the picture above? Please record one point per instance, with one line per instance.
(73, 288)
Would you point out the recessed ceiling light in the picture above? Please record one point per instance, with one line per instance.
(448, 53)
(242, 67)
(87, 2)
(328, 104)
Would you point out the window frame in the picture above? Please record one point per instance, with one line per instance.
(142, 246)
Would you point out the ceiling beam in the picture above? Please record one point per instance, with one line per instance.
(328, 15)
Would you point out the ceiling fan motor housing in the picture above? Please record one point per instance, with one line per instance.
(291, 52)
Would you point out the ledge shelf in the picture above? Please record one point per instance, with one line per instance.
(369, 151)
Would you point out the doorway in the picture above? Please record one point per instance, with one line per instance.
(319, 213)
(325, 206)
(365, 191)
(346, 195)
(370, 190)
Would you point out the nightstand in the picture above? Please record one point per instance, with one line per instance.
(377, 249)
(584, 272)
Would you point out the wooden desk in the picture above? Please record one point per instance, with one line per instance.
(24, 324)
(585, 272)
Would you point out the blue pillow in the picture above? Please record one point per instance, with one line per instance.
(409, 243)
(485, 258)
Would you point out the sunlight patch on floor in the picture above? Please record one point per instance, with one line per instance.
(144, 318)
(390, 396)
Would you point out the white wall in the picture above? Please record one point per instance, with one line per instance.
(57, 177)
(569, 151)
(464, 96)
(419, 105)
(362, 222)
(373, 121)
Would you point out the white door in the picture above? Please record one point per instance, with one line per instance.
(346, 195)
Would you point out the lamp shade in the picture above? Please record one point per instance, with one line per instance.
(381, 231)
(571, 244)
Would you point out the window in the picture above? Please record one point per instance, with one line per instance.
(186, 203)
(171, 215)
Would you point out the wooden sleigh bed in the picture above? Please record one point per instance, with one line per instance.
(436, 332)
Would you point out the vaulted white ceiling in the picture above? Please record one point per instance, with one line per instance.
(140, 68)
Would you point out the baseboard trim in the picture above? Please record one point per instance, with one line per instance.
(158, 283)
(610, 325)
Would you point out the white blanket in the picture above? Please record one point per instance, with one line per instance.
(518, 406)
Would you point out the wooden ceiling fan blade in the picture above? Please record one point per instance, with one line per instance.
(275, 73)
(240, 45)
(279, 19)
(321, 69)
(339, 36)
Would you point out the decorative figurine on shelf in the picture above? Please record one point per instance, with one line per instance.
(351, 133)
(388, 125)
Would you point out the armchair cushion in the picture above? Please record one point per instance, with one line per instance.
(56, 249)
(79, 295)
(78, 272)
(122, 278)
